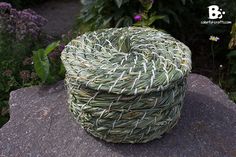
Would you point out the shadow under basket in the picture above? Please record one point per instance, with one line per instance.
(126, 85)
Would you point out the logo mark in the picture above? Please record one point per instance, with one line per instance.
(215, 12)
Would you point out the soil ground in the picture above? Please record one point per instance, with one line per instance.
(61, 15)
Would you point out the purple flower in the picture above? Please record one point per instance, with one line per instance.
(21, 24)
(137, 18)
(13, 13)
(5, 6)
(54, 56)
(61, 47)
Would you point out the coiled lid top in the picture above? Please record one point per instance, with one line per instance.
(130, 60)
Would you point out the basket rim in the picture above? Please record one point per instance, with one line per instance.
(93, 74)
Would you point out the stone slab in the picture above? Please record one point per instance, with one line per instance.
(42, 126)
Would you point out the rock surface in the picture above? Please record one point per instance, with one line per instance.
(41, 126)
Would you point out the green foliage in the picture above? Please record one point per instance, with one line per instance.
(99, 14)
(48, 69)
(233, 96)
(14, 73)
(12, 48)
(106, 13)
(232, 61)
(20, 34)
(119, 3)
(149, 20)
(180, 18)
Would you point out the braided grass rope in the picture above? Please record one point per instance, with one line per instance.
(126, 85)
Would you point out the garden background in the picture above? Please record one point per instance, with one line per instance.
(30, 56)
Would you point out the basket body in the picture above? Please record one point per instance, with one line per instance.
(126, 106)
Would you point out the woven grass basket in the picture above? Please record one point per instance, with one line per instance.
(126, 85)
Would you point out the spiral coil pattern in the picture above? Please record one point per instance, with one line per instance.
(126, 85)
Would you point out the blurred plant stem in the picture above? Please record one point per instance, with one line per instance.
(213, 55)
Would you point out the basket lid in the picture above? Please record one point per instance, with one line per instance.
(130, 60)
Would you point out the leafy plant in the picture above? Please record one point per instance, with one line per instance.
(20, 31)
(20, 34)
(97, 14)
(147, 18)
(232, 61)
(47, 65)
(106, 13)
(14, 74)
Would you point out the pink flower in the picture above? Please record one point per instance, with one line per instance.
(7, 73)
(25, 75)
(137, 18)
